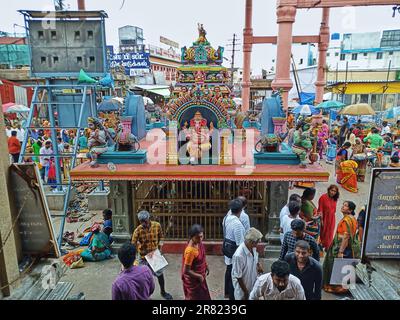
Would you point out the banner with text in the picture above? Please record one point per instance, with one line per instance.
(130, 61)
(382, 228)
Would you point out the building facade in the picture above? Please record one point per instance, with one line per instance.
(365, 68)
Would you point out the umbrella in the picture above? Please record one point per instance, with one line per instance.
(147, 101)
(109, 105)
(238, 100)
(6, 106)
(358, 109)
(331, 104)
(119, 99)
(305, 109)
(17, 108)
(392, 113)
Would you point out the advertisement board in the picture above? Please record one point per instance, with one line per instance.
(131, 61)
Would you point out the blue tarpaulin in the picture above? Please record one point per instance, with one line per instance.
(307, 98)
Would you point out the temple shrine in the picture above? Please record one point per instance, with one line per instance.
(203, 157)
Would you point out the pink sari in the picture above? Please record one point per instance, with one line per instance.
(193, 288)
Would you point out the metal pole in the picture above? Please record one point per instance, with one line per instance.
(28, 122)
(54, 138)
(66, 202)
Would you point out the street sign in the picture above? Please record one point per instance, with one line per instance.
(382, 227)
(169, 42)
(131, 60)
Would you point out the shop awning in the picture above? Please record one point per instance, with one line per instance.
(368, 88)
(162, 92)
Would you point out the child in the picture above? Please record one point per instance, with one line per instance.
(107, 223)
(331, 151)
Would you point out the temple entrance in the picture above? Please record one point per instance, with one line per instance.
(177, 205)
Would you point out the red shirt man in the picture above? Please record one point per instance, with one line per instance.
(14, 146)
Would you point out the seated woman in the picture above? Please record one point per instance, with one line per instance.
(342, 155)
(349, 176)
(99, 246)
(107, 223)
(345, 245)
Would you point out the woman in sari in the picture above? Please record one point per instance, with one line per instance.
(360, 157)
(342, 155)
(349, 176)
(327, 209)
(323, 135)
(309, 213)
(194, 267)
(331, 149)
(99, 246)
(344, 245)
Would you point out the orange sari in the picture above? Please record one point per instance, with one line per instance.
(348, 175)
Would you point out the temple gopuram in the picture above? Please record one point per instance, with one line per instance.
(187, 171)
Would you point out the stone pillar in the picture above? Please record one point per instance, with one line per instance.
(121, 205)
(277, 198)
(285, 18)
(9, 271)
(172, 143)
(247, 48)
(322, 49)
(226, 151)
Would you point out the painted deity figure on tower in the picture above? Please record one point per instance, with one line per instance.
(97, 142)
(302, 142)
(199, 137)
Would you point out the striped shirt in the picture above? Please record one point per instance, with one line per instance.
(234, 231)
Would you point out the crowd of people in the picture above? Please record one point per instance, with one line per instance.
(307, 233)
(352, 147)
(40, 149)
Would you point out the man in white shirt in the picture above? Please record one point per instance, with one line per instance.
(20, 134)
(245, 265)
(233, 231)
(46, 151)
(285, 209)
(279, 284)
(385, 128)
(244, 217)
(294, 211)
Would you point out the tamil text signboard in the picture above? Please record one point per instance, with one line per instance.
(131, 60)
(382, 230)
(30, 207)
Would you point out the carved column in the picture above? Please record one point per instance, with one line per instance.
(277, 198)
(226, 154)
(322, 48)
(247, 48)
(121, 205)
(285, 18)
(172, 143)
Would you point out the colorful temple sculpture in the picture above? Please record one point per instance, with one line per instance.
(201, 104)
(187, 171)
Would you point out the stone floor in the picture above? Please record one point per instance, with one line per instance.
(95, 279)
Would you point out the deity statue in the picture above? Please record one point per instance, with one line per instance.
(200, 77)
(199, 137)
(302, 143)
(98, 140)
(202, 34)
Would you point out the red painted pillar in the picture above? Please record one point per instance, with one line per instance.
(81, 5)
(247, 48)
(285, 18)
(322, 49)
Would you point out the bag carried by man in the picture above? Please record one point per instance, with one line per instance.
(228, 246)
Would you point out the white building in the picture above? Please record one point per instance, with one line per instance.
(364, 51)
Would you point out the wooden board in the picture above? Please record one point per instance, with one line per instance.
(382, 227)
(30, 206)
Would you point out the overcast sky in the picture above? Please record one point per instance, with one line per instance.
(177, 20)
